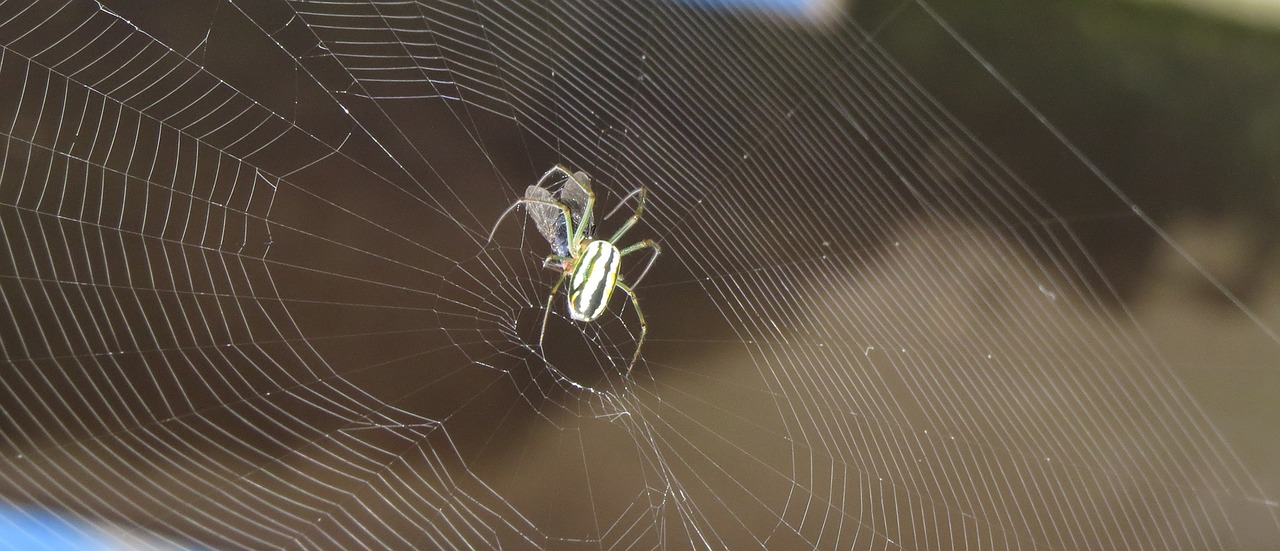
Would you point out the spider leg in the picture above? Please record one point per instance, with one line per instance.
(624, 200)
(646, 244)
(644, 328)
(643, 192)
(568, 216)
(575, 233)
(546, 315)
(555, 262)
(558, 168)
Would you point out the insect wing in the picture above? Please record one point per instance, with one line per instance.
(548, 219)
(575, 195)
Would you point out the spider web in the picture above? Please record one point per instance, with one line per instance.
(252, 303)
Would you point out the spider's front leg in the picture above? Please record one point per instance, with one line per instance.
(643, 193)
(558, 169)
(568, 216)
(582, 182)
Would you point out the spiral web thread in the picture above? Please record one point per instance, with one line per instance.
(252, 303)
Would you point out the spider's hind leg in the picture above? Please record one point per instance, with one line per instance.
(644, 328)
(546, 315)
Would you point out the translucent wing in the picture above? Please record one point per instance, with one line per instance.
(548, 219)
(574, 194)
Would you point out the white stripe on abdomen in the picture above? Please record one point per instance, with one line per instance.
(593, 280)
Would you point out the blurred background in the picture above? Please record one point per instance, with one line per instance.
(1176, 104)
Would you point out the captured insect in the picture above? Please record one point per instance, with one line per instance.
(591, 265)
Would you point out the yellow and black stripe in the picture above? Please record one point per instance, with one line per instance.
(593, 280)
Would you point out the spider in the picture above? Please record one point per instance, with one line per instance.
(591, 265)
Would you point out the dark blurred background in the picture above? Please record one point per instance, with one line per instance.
(1179, 106)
